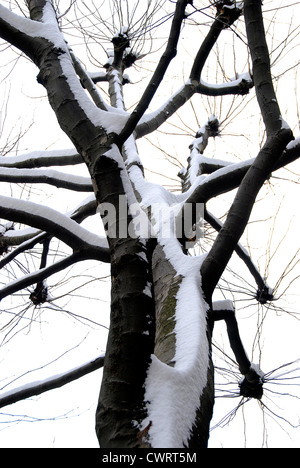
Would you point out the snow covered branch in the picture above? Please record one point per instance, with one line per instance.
(33, 236)
(57, 381)
(53, 222)
(38, 159)
(210, 129)
(50, 177)
(228, 178)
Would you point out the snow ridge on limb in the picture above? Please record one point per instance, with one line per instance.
(50, 220)
(36, 159)
(50, 177)
(177, 377)
(181, 358)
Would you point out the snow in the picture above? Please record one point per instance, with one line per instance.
(97, 75)
(117, 89)
(219, 173)
(223, 305)
(258, 371)
(173, 393)
(293, 144)
(98, 117)
(231, 83)
(284, 124)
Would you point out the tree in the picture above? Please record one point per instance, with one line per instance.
(163, 306)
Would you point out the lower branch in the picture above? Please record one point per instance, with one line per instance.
(41, 275)
(252, 384)
(52, 383)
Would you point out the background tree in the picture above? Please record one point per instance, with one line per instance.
(166, 290)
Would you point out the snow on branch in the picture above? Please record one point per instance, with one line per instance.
(51, 221)
(240, 85)
(228, 178)
(50, 177)
(22, 32)
(38, 159)
(56, 381)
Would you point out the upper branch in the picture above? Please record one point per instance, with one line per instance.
(167, 57)
(50, 177)
(265, 92)
(224, 20)
(195, 85)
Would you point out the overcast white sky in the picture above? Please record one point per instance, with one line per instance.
(65, 417)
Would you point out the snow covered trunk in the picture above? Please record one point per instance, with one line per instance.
(179, 387)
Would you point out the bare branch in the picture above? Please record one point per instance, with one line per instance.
(40, 275)
(167, 57)
(241, 252)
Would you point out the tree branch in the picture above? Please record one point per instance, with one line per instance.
(167, 57)
(252, 384)
(51, 177)
(229, 178)
(38, 159)
(279, 136)
(16, 30)
(44, 273)
(224, 20)
(221, 312)
(88, 83)
(53, 222)
(262, 77)
(241, 85)
(241, 252)
(37, 388)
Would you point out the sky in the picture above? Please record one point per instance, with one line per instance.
(57, 418)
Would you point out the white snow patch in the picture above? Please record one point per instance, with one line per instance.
(223, 305)
(173, 394)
